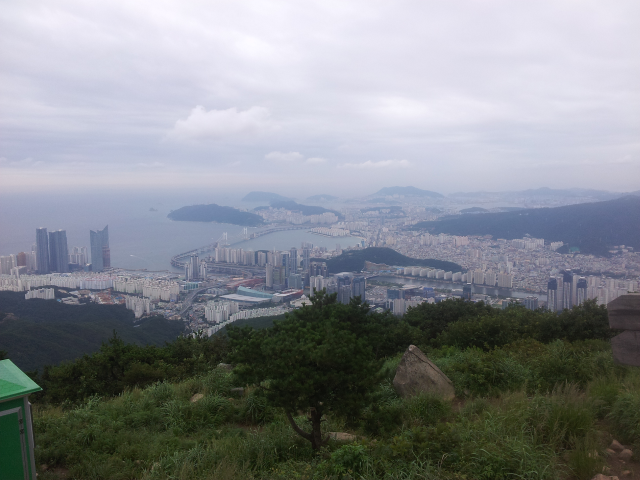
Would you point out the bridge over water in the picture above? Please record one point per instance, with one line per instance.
(180, 260)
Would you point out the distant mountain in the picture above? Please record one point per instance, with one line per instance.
(353, 260)
(216, 213)
(592, 227)
(303, 209)
(46, 332)
(321, 198)
(263, 197)
(546, 192)
(408, 191)
(474, 210)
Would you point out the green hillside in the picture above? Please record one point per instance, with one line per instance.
(216, 213)
(592, 227)
(353, 260)
(46, 332)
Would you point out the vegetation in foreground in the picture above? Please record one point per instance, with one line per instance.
(533, 403)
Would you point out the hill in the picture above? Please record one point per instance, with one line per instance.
(321, 198)
(592, 227)
(353, 260)
(216, 213)
(474, 210)
(46, 332)
(408, 191)
(303, 209)
(263, 197)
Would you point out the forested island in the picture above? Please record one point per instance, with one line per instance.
(216, 213)
(353, 260)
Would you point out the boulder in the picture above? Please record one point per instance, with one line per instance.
(616, 446)
(196, 397)
(417, 374)
(342, 436)
(625, 455)
(226, 367)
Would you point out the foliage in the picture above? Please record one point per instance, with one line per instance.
(216, 213)
(318, 360)
(466, 324)
(48, 332)
(593, 227)
(117, 366)
(353, 260)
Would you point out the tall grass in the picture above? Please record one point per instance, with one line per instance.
(526, 414)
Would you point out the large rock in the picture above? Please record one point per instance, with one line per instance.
(417, 374)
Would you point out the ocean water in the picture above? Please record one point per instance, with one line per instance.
(139, 238)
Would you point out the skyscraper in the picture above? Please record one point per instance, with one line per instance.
(58, 252)
(552, 295)
(100, 253)
(581, 290)
(567, 290)
(42, 250)
(293, 258)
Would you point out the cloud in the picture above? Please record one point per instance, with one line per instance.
(25, 162)
(149, 164)
(203, 124)
(369, 165)
(284, 157)
(316, 160)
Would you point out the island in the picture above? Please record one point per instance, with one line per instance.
(216, 213)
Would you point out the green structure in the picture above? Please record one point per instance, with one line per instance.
(17, 460)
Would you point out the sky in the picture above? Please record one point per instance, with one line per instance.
(338, 97)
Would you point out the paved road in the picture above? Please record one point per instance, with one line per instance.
(189, 300)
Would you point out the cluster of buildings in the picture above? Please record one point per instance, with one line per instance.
(295, 218)
(51, 254)
(567, 289)
(154, 289)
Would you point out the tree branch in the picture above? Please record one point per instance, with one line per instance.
(298, 430)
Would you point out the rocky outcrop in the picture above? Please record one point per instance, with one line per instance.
(417, 374)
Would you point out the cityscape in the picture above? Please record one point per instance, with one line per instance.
(319, 240)
(235, 282)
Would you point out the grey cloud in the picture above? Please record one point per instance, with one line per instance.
(462, 91)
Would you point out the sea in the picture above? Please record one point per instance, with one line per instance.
(140, 234)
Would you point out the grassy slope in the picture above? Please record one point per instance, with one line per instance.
(505, 432)
(353, 260)
(593, 227)
(48, 332)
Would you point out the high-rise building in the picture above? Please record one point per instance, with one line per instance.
(100, 253)
(42, 250)
(581, 291)
(306, 254)
(21, 259)
(58, 252)
(467, 291)
(531, 303)
(358, 285)
(318, 268)
(552, 295)
(567, 289)
(293, 259)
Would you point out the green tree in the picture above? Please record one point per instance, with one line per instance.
(318, 360)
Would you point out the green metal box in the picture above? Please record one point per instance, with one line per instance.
(17, 460)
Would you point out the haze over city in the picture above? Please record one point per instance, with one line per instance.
(460, 96)
(319, 239)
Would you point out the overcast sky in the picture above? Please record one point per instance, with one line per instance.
(320, 97)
